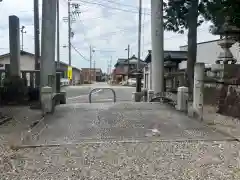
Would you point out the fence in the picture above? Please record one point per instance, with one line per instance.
(30, 77)
(221, 88)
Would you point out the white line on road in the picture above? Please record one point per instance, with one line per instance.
(76, 97)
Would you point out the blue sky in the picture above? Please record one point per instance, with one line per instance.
(107, 25)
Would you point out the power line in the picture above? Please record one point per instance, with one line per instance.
(110, 7)
(122, 4)
(79, 53)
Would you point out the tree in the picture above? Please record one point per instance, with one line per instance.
(216, 11)
(179, 16)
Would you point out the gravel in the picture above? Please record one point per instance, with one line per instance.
(149, 160)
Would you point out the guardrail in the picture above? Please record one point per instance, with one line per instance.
(95, 89)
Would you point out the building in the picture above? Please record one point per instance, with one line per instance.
(122, 70)
(208, 52)
(95, 75)
(27, 63)
(172, 60)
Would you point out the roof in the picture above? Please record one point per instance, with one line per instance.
(125, 61)
(31, 54)
(95, 69)
(175, 56)
(21, 53)
(204, 42)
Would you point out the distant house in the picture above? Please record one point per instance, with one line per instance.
(125, 67)
(27, 63)
(172, 60)
(95, 75)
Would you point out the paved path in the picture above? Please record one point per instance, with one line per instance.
(124, 140)
(79, 123)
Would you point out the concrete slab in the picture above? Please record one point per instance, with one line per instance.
(78, 123)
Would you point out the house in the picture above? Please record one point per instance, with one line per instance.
(208, 52)
(125, 68)
(172, 60)
(95, 75)
(27, 63)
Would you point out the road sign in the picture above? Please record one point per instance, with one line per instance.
(69, 72)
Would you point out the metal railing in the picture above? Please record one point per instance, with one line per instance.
(95, 89)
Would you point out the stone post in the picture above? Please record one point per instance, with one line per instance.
(198, 89)
(136, 96)
(150, 95)
(157, 46)
(48, 69)
(182, 99)
(14, 46)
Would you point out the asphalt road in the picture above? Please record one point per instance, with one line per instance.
(124, 140)
(80, 94)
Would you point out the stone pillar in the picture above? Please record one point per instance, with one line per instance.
(182, 99)
(157, 46)
(14, 46)
(150, 76)
(150, 95)
(48, 69)
(198, 89)
(145, 74)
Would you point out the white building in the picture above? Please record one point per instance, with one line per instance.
(27, 63)
(208, 52)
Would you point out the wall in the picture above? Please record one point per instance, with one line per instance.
(208, 52)
(26, 62)
(76, 76)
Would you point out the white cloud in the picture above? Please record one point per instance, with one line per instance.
(104, 24)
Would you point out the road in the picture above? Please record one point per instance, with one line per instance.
(124, 140)
(80, 94)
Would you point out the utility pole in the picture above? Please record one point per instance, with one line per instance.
(90, 68)
(128, 56)
(110, 65)
(58, 39)
(94, 70)
(69, 34)
(107, 67)
(22, 32)
(70, 20)
(138, 82)
(157, 46)
(36, 36)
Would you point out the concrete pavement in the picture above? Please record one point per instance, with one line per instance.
(79, 123)
(124, 140)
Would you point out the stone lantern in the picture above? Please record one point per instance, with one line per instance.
(228, 36)
(227, 72)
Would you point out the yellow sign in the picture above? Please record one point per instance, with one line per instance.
(69, 72)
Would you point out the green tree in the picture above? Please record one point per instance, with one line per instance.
(217, 10)
(181, 15)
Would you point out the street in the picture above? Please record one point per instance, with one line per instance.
(122, 140)
(80, 94)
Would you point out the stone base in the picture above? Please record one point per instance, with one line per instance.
(150, 95)
(193, 113)
(136, 96)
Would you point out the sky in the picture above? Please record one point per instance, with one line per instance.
(106, 25)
